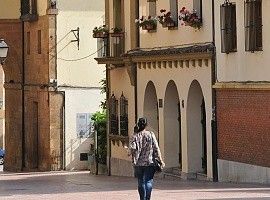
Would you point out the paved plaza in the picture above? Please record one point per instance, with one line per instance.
(83, 186)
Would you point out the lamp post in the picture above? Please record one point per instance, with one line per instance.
(3, 51)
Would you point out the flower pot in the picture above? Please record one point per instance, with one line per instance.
(150, 27)
(170, 24)
(100, 35)
(117, 34)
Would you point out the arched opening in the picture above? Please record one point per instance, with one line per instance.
(150, 109)
(172, 127)
(196, 127)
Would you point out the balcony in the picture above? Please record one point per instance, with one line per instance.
(29, 10)
(111, 49)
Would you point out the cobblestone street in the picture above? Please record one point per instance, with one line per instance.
(81, 185)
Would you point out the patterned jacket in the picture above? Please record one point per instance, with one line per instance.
(144, 148)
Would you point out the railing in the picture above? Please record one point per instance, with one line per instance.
(112, 46)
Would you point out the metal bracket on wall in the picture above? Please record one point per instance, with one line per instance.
(76, 33)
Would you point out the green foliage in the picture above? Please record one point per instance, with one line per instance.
(100, 124)
(103, 103)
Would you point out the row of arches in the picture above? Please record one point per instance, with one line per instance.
(195, 120)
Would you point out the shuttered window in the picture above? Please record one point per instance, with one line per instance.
(152, 8)
(123, 116)
(174, 10)
(253, 25)
(228, 28)
(113, 110)
(197, 6)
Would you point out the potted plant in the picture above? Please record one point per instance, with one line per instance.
(166, 19)
(190, 18)
(100, 32)
(147, 23)
(116, 32)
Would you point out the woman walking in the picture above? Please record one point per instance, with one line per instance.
(145, 151)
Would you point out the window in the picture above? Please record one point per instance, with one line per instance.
(117, 12)
(228, 27)
(253, 25)
(39, 41)
(123, 116)
(28, 42)
(174, 10)
(29, 7)
(152, 8)
(197, 6)
(113, 109)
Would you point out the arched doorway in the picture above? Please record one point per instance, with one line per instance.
(150, 108)
(196, 127)
(172, 127)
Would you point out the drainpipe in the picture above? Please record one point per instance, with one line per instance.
(214, 114)
(108, 92)
(23, 102)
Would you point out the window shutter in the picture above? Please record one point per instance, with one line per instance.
(152, 8)
(234, 28)
(249, 25)
(258, 23)
(197, 5)
(228, 27)
(224, 38)
(174, 10)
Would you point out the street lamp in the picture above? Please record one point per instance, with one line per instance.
(3, 51)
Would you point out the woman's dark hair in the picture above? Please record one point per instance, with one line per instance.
(142, 123)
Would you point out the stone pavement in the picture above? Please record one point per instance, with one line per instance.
(83, 186)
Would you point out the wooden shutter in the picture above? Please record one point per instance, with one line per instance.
(228, 28)
(249, 25)
(258, 24)
(117, 12)
(234, 28)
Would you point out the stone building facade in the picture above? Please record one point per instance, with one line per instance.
(242, 85)
(39, 82)
(165, 74)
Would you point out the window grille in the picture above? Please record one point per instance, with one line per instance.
(228, 27)
(123, 116)
(113, 109)
(253, 25)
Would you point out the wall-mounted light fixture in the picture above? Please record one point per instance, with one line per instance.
(3, 51)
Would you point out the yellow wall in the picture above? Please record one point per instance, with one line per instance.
(10, 9)
(182, 35)
(42, 6)
(242, 65)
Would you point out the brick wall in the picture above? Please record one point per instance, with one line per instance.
(11, 31)
(244, 126)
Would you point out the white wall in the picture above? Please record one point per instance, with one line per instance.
(242, 65)
(78, 101)
(85, 15)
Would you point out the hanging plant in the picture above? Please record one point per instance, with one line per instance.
(166, 19)
(147, 23)
(190, 18)
(100, 32)
(116, 32)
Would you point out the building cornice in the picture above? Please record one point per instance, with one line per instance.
(242, 85)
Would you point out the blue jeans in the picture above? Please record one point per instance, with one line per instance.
(145, 175)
